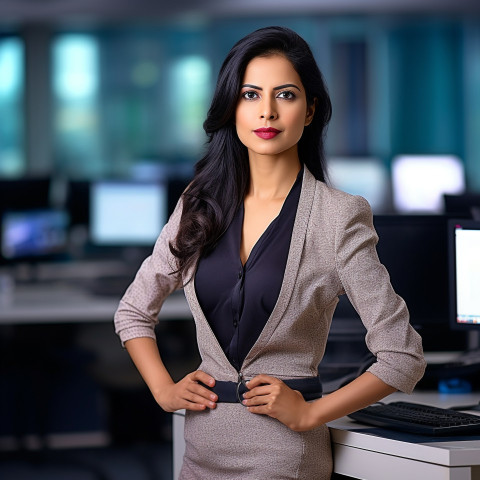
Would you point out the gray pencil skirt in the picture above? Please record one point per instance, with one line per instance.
(230, 443)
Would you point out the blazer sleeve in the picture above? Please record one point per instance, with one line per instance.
(390, 337)
(137, 313)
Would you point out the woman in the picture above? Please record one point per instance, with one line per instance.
(263, 248)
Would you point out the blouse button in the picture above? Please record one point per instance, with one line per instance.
(240, 274)
(235, 323)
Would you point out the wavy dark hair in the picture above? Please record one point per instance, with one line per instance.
(222, 176)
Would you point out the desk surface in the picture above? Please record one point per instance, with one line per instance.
(54, 303)
(368, 452)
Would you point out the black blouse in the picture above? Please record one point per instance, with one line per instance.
(237, 299)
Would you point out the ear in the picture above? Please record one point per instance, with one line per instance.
(310, 112)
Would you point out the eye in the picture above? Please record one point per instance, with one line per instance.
(250, 95)
(286, 95)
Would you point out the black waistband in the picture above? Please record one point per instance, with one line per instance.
(231, 392)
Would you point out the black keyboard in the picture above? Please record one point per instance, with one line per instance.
(419, 419)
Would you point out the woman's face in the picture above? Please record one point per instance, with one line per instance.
(272, 110)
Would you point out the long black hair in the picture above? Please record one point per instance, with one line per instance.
(222, 176)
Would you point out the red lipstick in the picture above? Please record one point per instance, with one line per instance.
(266, 133)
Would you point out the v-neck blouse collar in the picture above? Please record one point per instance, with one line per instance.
(213, 357)
(267, 233)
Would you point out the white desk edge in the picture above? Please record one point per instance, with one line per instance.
(356, 452)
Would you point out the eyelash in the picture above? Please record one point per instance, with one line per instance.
(245, 95)
(291, 95)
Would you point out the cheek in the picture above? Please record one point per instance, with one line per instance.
(241, 114)
(240, 129)
(241, 123)
(298, 123)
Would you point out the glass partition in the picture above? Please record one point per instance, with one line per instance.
(12, 156)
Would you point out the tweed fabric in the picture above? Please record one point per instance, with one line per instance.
(332, 252)
(231, 443)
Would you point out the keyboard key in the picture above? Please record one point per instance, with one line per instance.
(418, 418)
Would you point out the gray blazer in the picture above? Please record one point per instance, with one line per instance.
(332, 252)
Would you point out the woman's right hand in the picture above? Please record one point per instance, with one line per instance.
(188, 393)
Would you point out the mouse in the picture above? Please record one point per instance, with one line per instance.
(454, 385)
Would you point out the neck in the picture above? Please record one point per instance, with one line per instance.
(272, 177)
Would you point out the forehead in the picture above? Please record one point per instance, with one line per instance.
(272, 69)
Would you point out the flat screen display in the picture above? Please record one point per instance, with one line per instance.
(34, 234)
(464, 256)
(414, 250)
(420, 181)
(127, 213)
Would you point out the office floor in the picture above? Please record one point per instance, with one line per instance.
(139, 462)
(76, 378)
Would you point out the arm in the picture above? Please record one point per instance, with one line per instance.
(137, 312)
(270, 396)
(171, 396)
(390, 337)
(135, 321)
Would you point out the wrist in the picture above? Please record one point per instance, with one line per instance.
(314, 417)
(309, 419)
(161, 394)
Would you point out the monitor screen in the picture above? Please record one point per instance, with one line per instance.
(414, 250)
(33, 234)
(420, 181)
(127, 213)
(464, 263)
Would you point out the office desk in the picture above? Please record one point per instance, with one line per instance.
(53, 303)
(369, 453)
(86, 322)
(65, 292)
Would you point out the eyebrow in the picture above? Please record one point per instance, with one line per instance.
(248, 85)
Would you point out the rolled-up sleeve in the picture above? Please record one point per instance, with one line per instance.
(137, 313)
(390, 337)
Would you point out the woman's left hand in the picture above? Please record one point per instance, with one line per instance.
(270, 396)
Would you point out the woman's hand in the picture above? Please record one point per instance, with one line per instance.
(270, 396)
(188, 393)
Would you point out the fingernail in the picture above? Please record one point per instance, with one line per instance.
(213, 397)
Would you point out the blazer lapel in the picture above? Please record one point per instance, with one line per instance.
(214, 359)
(212, 353)
(293, 263)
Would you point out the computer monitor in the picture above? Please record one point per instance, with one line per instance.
(466, 205)
(33, 235)
(365, 176)
(176, 186)
(420, 181)
(414, 249)
(464, 270)
(24, 194)
(127, 213)
(77, 202)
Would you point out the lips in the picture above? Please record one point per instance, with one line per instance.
(266, 133)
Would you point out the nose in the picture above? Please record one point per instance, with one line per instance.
(267, 110)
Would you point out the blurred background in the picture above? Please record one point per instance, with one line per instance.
(101, 111)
